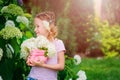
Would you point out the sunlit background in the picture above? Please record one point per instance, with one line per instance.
(97, 7)
(89, 28)
(79, 14)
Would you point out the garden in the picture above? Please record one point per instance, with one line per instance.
(90, 31)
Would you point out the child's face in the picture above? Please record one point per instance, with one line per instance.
(39, 28)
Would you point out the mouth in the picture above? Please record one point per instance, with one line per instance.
(37, 33)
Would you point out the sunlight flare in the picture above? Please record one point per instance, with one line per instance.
(97, 7)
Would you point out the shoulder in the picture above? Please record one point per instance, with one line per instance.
(59, 45)
(59, 41)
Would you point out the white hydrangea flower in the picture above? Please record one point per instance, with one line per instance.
(23, 20)
(82, 75)
(9, 23)
(1, 78)
(34, 43)
(51, 50)
(10, 32)
(41, 41)
(24, 52)
(46, 25)
(1, 53)
(70, 79)
(26, 47)
(77, 59)
(29, 43)
(4, 9)
(79, 79)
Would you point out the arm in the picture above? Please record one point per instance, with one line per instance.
(58, 66)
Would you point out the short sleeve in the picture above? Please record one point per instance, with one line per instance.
(60, 46)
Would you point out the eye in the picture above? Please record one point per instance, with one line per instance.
(37, 26)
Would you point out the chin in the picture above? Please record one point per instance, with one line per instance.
(37, 34)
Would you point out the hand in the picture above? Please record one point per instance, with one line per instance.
(28, 62)
(37, 63)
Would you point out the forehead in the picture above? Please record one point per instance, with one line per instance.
(37, 20)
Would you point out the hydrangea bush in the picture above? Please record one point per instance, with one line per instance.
(14, 29)
(12, 9)
(70, 72)
(10, 32)
(23, 20)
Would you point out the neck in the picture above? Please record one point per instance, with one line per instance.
(51, 39)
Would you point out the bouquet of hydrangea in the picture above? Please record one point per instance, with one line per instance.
(37, 49)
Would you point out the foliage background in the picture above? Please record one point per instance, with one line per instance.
(82, 31)
(77, 19)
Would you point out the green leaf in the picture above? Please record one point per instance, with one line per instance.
(7, 67)
(9, 51)
(22, 26)
(28, 34)
(15, 46)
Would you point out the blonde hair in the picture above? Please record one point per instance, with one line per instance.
(50, 17)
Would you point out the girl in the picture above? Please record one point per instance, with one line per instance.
(48, 70)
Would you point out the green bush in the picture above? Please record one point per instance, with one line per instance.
(107, 36)
(13, 31)
(72, 70)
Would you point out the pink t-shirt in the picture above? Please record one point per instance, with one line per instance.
(41, 73)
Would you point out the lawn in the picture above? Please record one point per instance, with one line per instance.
(101, 69)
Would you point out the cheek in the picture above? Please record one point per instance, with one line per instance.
(39, 30)
(45, 30)
(42, 29)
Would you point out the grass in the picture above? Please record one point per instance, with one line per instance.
(101, 69)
